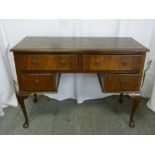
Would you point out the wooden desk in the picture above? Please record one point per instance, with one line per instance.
(118, 62)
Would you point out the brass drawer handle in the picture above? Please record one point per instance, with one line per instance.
(125, 63)
(36, 83)
(62, 62)
(34, 62)
(97, 62)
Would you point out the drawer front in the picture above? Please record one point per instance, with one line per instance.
(111, 62)
(38, 82)
(47, 62)
(122, 82)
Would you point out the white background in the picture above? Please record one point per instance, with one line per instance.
(141, 30)
(77, 144)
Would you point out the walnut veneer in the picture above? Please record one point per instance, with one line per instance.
(118, 62)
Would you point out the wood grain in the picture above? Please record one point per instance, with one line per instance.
(47, 62)
(111, 62)
(122, 82)
(79, 44)
(39, 82)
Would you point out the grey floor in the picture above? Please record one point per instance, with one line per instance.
(97, 117)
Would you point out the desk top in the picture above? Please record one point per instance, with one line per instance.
(78, 44)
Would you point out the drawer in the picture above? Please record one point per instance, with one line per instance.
(120, 82)
(39, 82)
(111, 62)
(47, 62)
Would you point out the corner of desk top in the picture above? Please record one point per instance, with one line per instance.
(14, 48)
(144, 48)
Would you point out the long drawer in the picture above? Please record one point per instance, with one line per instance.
(47, 62)
(39, 82)
(120, 82)
(111, 62)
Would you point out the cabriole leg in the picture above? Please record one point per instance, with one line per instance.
(21, 98)
(136, 103)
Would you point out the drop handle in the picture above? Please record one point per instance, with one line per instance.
(62, 62)
(34, 62)
(36, 83)
(97, 62)
(124, 62)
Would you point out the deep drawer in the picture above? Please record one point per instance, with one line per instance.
(47, 62)
(39, 82)
(111, 62)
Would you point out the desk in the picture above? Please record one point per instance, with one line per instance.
(40, 61)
